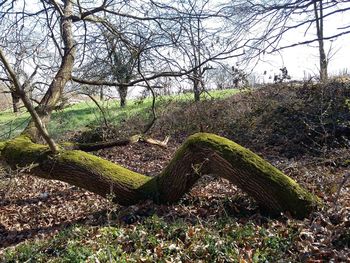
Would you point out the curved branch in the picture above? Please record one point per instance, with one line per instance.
(201, 153)
(98, 106)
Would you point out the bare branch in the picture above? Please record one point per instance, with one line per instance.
(20, 91)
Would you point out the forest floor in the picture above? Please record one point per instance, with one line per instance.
(50, 221)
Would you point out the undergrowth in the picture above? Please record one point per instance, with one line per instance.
(85, 115)
(288, 119)
(292, 120)
(157, 240)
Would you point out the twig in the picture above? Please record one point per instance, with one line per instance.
(341, 185)
(157, 142)
(149, 87)
(100, 108)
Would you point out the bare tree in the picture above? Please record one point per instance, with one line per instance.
(273, 20)
(111, 59)
(199, 37)
(318, 9)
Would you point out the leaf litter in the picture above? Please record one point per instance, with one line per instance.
(36, 209)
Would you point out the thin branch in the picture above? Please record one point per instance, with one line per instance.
(310, 41)
(26, 101)
(154, 116)
(99, 106)
(341, 185)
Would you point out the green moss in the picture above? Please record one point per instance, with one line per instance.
(291, 196)
(2, 146)
(105, 168)
(68, 145)
(21, 151)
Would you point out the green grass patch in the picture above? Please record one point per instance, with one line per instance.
(85, 115)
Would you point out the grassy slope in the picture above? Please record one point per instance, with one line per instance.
(86, 114)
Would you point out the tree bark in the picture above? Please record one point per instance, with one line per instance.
(90, 147)
(202, 153)
(123, 92)
(15, 101)
(54, 93)
(319, 30)
(101, 94)
(196, 83)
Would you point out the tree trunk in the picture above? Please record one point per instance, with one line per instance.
(123, 92)
(101, 94)
(319, 30)
(202, 153)
(196, 90)
(54, 93)
(15, 101)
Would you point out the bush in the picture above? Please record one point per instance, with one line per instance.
(291, 119)
(287, 119)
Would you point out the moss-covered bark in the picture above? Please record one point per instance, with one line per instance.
(2, 146)
(202, 153)
(266, 184)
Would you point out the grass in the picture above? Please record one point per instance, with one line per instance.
(157, 240)
(84, 115)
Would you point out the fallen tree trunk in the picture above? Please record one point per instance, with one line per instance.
(90, 147)
(201, 153)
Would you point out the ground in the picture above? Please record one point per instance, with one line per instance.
(214, 211)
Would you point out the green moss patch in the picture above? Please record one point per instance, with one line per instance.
(103, 167)
(21, 151)
(291, 196)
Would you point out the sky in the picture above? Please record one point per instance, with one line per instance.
(303, 60)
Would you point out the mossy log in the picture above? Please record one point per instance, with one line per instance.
(202, 153)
